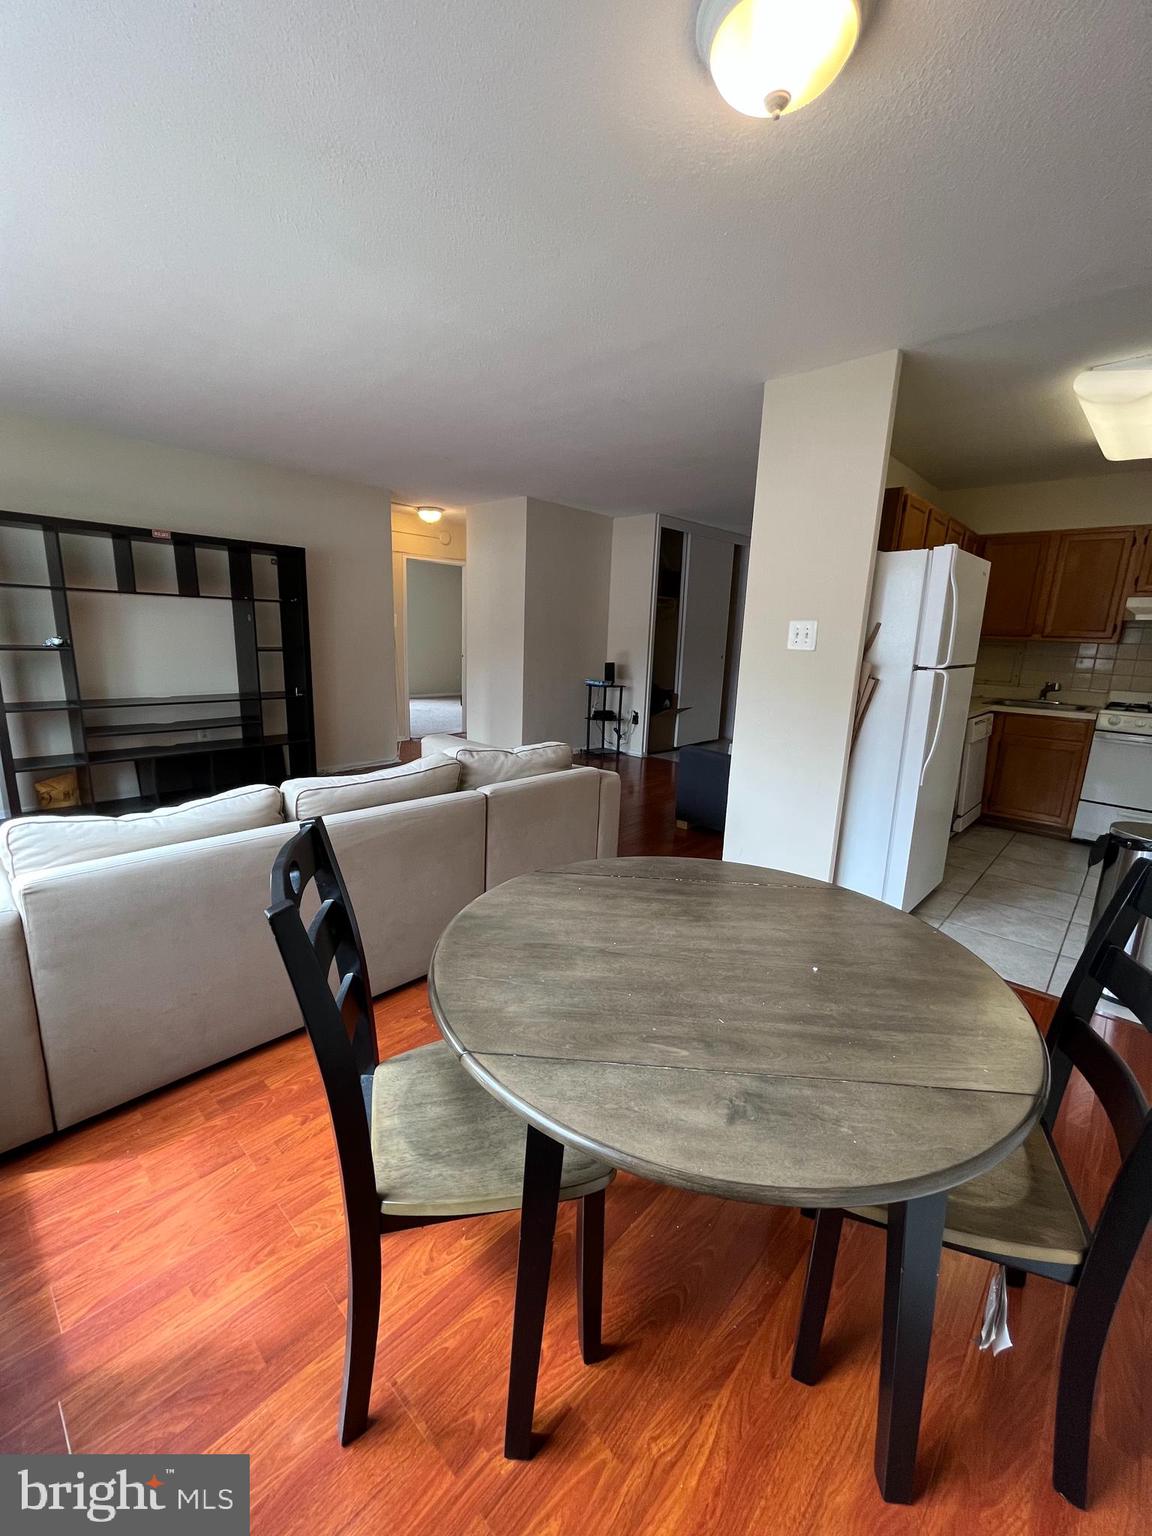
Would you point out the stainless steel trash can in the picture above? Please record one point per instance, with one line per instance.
(1116, 852)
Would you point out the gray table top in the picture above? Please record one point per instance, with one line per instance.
(739, 1031)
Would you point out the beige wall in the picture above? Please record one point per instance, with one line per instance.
(445, 540)
(434, 629)
(568, 570)
(494, 578)
(1092, 501)
(814, 534)
(536, 605)
(904, 474)
(73, 471)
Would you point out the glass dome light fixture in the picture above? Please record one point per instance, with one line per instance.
(1117, 400)
(429, 514)
(772, 57)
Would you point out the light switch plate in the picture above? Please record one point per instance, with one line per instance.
(802, 634)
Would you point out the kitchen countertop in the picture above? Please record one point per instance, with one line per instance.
(1028, 707)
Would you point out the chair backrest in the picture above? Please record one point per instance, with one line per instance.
(1074, 1045)
(325, 963)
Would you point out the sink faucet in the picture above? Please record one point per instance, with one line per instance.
(1047, 689)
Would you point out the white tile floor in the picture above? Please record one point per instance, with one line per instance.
(1020, 902)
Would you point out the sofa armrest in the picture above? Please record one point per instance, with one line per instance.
(608, 824)
(539, 822)
(25, 1110)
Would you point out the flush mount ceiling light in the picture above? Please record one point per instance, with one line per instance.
(769, 57)
(430, 514)
(1117, 400)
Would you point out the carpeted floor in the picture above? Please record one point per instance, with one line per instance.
(435, 716)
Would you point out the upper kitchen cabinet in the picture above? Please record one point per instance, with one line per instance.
(1144, 564)
(910, 522)
(1017, 585)
(1091, 575)
(936, 532)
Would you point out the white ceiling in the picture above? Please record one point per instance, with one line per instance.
(996, 405)
(487, 247)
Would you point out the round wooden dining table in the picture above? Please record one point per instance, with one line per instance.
(747, 1034)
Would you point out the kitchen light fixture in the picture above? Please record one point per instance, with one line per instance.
(1117, 400)
(430, 514)
(769, 57)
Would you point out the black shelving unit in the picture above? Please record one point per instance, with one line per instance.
(599, 712)
(257, 732)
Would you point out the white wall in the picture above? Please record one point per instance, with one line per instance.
(569, 566)
(904, 474)
(824, 445)
(1091, 501)
(629, 642)
(68, 470)
(494, 579)
(536, 618)
(434, 629)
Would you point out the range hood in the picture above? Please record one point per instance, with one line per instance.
(1140, 608)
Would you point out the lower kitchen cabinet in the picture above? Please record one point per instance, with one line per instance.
(1035, 769)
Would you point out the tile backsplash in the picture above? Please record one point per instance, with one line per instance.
(1088, 673)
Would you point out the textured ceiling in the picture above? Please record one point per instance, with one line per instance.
(996, 405)
(485, 247)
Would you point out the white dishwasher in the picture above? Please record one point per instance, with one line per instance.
(970, 790)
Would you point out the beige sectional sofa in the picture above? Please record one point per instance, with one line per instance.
(121, 973)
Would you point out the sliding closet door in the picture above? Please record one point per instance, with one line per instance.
(703, 638)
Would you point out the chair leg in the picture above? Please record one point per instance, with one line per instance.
(817, 1289)
(361, 1333)
(543, 1161)
(1093, 1304)
(1015, 1277)
(915, 1234)
(590, 1275)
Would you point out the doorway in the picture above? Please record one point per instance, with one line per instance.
(434, 646)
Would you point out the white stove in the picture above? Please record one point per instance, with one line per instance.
(1118, 780)
(1134, 719)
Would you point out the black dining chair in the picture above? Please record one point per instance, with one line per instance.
(1024, 1213)
(418, 1141)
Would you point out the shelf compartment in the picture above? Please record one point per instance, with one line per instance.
(49, 762)
(163, 727)
(156, 701)
(24, 706)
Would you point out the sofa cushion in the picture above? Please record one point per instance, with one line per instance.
(433, 775)
(31, 843)
(481, 765)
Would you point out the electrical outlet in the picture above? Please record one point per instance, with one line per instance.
(802, 634)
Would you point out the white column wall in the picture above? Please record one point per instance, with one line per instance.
(824, 447)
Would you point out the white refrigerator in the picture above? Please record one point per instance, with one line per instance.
(905, 764)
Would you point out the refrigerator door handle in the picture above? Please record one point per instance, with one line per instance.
(954, 593)
(942, 679)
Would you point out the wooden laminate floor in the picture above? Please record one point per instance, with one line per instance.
(172, 1279)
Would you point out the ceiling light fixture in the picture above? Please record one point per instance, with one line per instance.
(1117, 400)
(769, 57)
(429, 514)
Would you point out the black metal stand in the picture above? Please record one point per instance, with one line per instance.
(603, 715)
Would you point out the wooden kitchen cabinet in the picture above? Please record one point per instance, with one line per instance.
(1144, 564)
(910, 522)
(1035, 769)
(937, 530)
(1017, 584)
(1090, 577)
